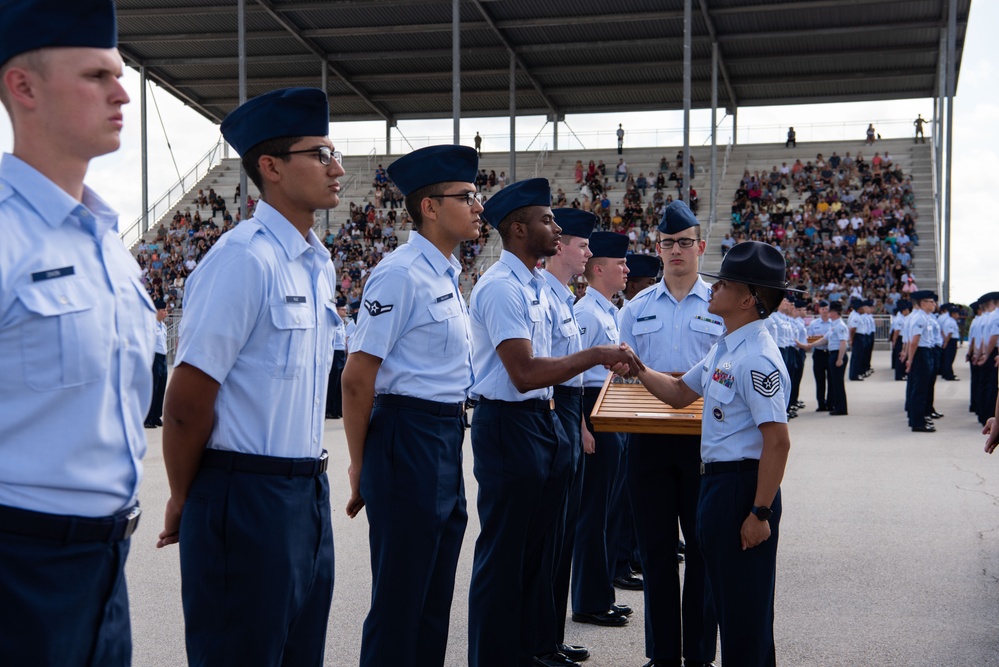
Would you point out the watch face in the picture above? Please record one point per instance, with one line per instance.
(762, 513)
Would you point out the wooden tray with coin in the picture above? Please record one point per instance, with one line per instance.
(626, 406)
(812, 339)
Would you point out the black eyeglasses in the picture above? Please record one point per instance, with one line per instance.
(667, 244)
(471, 198)
(325, 153)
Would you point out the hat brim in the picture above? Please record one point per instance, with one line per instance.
(721, 276)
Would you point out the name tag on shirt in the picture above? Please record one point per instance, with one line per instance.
(445, 297)
(294, 299)
(536, 302)
(646, 318)
(52, 273)
(567, 320)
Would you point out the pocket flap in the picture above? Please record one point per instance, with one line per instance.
(55, 297)
(646, 326)
(444, 310)
(292, 316)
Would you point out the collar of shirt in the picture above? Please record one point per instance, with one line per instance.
(438, 262)
(601, 301)
(561, 292)
(53, 204)
(701, 290)
(734, 339)
(288, 237)
(520, 271)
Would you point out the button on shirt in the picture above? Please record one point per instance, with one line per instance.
(509, 302)
(566, 338)
(414, 319)
(819, 327)
(259, 318)
(76, 351)
(597, 319)
(670, 336)
(743, 382)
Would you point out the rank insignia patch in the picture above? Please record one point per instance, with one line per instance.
(375, 309)
(766, 385)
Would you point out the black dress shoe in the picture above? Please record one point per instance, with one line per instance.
(573, 652)
(935, 415)
(629, 583)
(681, 547)
(149, 424)
(926, 428)
(688, 663)
(158, 422)
(680, 558)
(608, 618)
(622, 609)
(835, 413)
(822, 408)
(661, 663)
(799, 404)
(554, 660)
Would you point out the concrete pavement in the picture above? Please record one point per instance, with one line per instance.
(889, 551)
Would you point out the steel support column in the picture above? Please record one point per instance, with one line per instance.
(144, 150)
(241, 38)
(456, 68)
(713, 193)
(323, 75)
(513, 119)
(685, 175)
(951, 89)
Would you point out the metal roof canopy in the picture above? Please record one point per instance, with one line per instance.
(392, 59)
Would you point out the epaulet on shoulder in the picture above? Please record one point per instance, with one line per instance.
(644, 294)
(245, 231)
(6, 192)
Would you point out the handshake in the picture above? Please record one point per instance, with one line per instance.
(621, 360)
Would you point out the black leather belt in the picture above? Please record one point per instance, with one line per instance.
(563, 390)
(423, 405)
(264, 465)
(532, 404)
(719, 467)
(69, 529)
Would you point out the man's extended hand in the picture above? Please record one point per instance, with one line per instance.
(622, 360)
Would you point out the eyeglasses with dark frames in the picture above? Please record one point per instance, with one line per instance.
(667, 244)
(471, 198)
(325, 154)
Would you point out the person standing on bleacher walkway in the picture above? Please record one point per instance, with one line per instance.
(76, 345)
(670, 328)
(242, 442)
(405, 386)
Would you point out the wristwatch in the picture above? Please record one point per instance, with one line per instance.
(762, 513)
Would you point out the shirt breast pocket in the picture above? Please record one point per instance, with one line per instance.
(720, 394)
(648, 339)
(293, 322)
(703, 326)
(64, 343)
(540, 328)
(447, 329)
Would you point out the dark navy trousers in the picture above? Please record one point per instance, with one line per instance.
(551, 626)
(595, 550)
(857, 360)
(820, 371)
(414, 495)
(63, 604)
(741, 582)
(521, 464)
(947, 363)
(836, 400)
(664, 479)
(921, 376)
(256, 563)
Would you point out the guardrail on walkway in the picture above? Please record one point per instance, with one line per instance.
(131, 234)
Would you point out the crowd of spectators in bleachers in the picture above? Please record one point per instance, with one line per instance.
(849, 233)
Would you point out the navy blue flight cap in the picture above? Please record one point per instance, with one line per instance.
(754, 263)
(921, 295)
(26, 25)
(902, 304)
(800, 303)
(287, 112)
(160, 304)
(609, 244)
(341, 302)
(869, 303)
(448, 163)
(823, 303)
(988, 296)
(642, 266)
(676, 218)
(575, 221)
(974, 306)
(532, 192)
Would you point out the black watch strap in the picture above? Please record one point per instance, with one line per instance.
(762, 513)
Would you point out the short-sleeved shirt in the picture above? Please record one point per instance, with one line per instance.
(259, 319)
(838, 332)
(927, 328)
(949, 326)
(597, 319)
(820, 327)
(670, 336)
(509, 302)
(743, 381)
(76, 351)
(414, 319)
(566, 338)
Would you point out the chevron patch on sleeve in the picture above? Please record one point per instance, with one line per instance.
(766, 385)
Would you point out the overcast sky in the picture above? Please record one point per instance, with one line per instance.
(976, 144)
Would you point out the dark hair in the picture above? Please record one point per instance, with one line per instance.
(836, 307)
(505, 225)
(767, 299)
(415, 198)
(251, 158)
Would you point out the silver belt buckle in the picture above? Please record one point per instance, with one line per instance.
(551, 403)
(132, 522)
(702, 467)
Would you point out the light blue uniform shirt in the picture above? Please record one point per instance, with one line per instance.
(349, 327)
(927, 328)
(785, 329)
(161, 338)
(854, 322)
(597, 318)
(819, 327)
(566, 338)
(259, 319)
(800, 332)
(867, 325)
(670, 336)
(897, 320)
(340, 337)
(990, 328)
(743, 382)
(76, 351)
(416, 322)
(949, 326)
(907, 325)
(838, 332)
(509, 302)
